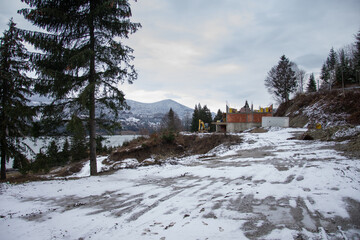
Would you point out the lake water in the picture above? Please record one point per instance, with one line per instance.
(111, 141)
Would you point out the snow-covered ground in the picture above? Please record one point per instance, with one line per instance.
(267, 187)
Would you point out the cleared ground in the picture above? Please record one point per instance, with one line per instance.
(266, 187)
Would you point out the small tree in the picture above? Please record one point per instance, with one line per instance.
(78, 150)
(202, 113)
(65, 152)
(311, 87)
(171, 122)
(195, 119)
(15, 115)
(52, 153)
(218, 116)
(281, 80)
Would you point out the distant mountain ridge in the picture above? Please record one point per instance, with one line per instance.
(140, 115)
(139, 108)
(149, 115)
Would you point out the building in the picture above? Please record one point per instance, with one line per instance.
(239, 120)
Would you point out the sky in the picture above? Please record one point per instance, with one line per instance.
(216, 52)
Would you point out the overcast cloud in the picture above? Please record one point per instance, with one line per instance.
(211, 51)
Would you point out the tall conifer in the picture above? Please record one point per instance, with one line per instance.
(281, 80)
(82, 60)
(15, 114)
(311, 87)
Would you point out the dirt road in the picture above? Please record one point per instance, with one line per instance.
(267, 187)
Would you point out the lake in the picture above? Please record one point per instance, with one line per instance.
(111, 141)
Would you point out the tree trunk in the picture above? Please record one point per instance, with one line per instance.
(3, 159)
(92, 82)
(3, 123)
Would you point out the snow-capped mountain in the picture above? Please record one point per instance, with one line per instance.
(163, 107)
(140, 116)
(149, 115)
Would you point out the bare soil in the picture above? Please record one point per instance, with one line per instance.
(182, 145)
(335, 101)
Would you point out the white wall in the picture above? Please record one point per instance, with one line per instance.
(275, 122)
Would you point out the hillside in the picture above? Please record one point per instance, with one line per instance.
(140, 115)
(338, 114)
(327, 108)
(149, 109)
(149, 115)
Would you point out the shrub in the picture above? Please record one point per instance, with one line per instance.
(168, 137)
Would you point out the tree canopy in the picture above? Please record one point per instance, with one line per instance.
(311, 87)
(281, 80)
(171, 122)
(202, 113)
(81, 59)
(15, 115)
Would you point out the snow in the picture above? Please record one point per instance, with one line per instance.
(267, 187)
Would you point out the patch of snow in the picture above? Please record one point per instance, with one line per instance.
(348, 132)
(85, 171)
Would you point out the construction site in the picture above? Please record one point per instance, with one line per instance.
(247, 117)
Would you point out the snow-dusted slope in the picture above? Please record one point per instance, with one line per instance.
(141, 115)
(162, 107)
(149, 115)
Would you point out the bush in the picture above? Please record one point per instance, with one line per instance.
(168, 137)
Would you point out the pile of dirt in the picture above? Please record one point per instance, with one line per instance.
(159, 147)
(328, 108)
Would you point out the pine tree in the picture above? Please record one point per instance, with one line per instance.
(357, 52)
(15, 114)
(311, 87)
(357, 57)
(205, 115)
(78, 149)
(202, 113)
(65, 152)
(344, 73)
(83, 60)
(218, 116)
(195, 119)
(332, 60)
(281, 80)
(329, 73)
(53, 155)
(324, 75)
(171, 122)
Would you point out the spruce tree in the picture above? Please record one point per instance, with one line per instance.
(171, 122)
(344, 73)
(357, 52)
(281, 80)
(15, 114)
(311, 87)
(325, 75)
(78, 149)
(357, 57)
(195, 119)
(218, 116)
(82, 59)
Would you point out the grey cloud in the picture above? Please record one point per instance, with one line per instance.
(310, 60)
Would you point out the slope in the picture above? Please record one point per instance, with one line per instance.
(330, 109)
